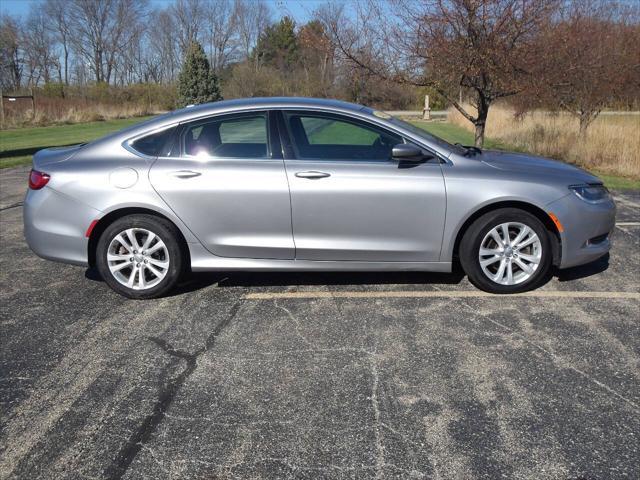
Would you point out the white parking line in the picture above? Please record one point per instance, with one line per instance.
(626, 202)
(438, 294)
(627, 224)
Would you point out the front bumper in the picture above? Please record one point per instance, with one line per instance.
(55, 226)
(587, 229)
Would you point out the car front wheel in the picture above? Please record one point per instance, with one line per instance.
(506, 251)
(139, 256)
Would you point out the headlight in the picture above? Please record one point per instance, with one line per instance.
(591, 193)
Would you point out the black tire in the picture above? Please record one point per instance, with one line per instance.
(166, 231)
(473, 237)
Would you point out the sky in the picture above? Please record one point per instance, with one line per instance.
(300, 10)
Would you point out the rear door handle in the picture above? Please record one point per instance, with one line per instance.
(185, 174)
(312, 174)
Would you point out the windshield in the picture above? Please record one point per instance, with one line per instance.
(428, 136)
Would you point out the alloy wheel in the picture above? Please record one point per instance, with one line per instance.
(510, 253)
(138, 258)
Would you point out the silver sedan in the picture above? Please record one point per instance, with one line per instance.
(307, 184)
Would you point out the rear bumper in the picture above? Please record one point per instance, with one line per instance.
(55, 226)
(587, 229)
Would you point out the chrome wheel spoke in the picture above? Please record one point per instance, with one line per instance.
(496, 237)
(141, 283)
(525, 243)
(505, 234)
(132, 277)
(132, 239)
(523, 233)
(159, 244)
(490, 261)
(155, 271)
(148, 240)
(500, 273)
(121, 240)
(120, 266)
(529, 258)
(118, 257)
(509, 273)
(159, 263)
(525, 268)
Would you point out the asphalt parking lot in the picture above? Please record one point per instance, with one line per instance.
(318, 375)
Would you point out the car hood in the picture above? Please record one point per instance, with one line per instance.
(524, 163)
(54, 154)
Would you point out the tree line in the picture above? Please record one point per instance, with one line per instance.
(125, 42)
(580, 56)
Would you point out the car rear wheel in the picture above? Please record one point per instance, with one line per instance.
(139, 256)
(506, 251)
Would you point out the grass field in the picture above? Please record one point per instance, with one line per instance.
(17, 146)
(610, 147)
(455, 134)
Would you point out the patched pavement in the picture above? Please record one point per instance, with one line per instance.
(358, 376)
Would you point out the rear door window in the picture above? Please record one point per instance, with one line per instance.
(243, 136)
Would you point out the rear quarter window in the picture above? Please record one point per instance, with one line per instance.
(156, 144)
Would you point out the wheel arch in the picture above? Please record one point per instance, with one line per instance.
(539, 213)
(114, 215)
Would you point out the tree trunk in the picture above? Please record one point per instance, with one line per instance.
(479, 134)
(66, 64)
(481, 121)
(586, 118)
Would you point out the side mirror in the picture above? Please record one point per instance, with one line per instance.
(405, 152)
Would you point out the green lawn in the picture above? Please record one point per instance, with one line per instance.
(18, 145)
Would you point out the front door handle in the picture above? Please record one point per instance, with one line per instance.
(312, 174)
(185, 174)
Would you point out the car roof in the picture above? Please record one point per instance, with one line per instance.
(268, 102)
(255, 103)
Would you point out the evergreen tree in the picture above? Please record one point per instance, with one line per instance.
(197, 83)
(278, 45)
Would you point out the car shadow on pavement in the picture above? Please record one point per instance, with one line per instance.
(196, 281)
(199, 280)
(583, 271)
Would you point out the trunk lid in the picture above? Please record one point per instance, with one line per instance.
(51, 155)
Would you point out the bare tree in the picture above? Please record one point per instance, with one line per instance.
(11, 66)
(591, 59)
(101, 30)
(163, 49)
(253, 16)
(59, 24)
(39, 47)
(188, 15)
(485, 47)
(221, 34)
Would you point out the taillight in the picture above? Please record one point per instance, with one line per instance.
(37, 179)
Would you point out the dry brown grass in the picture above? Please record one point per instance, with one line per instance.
(51, 111)
(612, 145)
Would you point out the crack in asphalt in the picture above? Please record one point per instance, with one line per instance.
(149, 425)
(13, 205)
